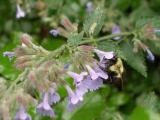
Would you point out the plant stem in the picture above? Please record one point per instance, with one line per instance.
(106, 37)
(64, 47)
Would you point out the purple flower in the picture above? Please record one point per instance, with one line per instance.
(96, 73)
(93, 84)
(72, 96)
(9, 54)
(81, 88)
(77, 77)
(20, 13)
(44, 108)
(22, 115)
(116, 30)
(150, 55)
(66, 66)
(95, 80)
(74, 99)
(54, 97)
(89, 7)
(104, 55)
(54, 32)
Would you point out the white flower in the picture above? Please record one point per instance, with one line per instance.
(20, 13)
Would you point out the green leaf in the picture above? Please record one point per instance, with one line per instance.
(135, 60)
(94, 22)
(111, 114)
(148, 101)
(75, 39)
(107, 45)
(139, 113)
(52, 43)
(90, 109)
(118, 99)
(7, 68)
(155, 21)
(137, 16)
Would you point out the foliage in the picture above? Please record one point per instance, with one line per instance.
(82, 27)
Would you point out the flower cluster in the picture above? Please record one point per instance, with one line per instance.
(89, 80)
(44, 71)
(46, 75)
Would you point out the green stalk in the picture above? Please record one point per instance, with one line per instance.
(106, 37)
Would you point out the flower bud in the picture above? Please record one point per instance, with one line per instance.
(116, 30)
(89, 7)
(150, 55)
(54, 32)
(26, 40)
(70, 27)
(63, 32)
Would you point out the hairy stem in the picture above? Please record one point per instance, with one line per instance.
(64, 47)
(106, 37)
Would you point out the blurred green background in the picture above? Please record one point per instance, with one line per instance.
(140, 98)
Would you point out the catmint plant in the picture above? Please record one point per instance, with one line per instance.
(87, 61)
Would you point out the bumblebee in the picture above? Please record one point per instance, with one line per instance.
(114, 68)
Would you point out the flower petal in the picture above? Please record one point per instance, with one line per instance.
(93, 84)
(104, 55)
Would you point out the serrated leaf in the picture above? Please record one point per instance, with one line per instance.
(94, 22)
(107, 46)
(155, 21)
(137, 14)
(135, 60)
(75, 39)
